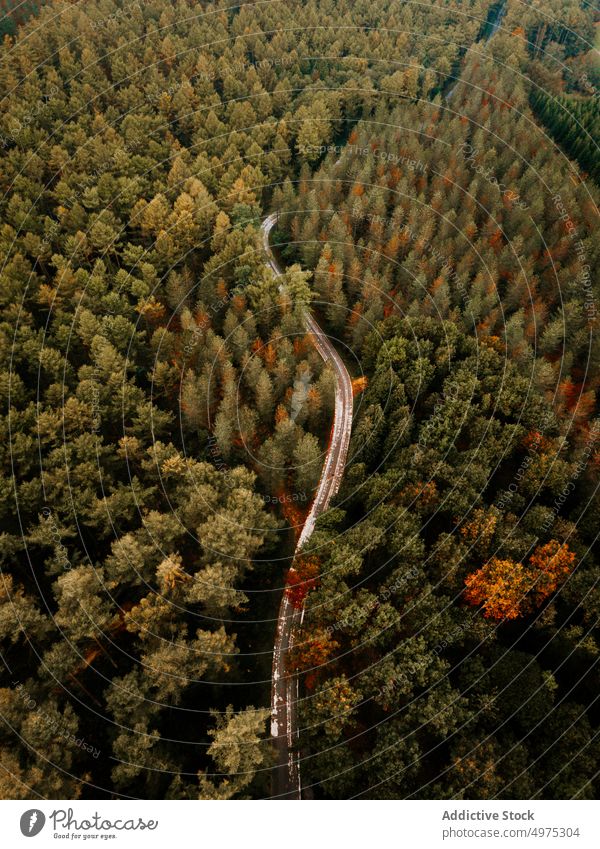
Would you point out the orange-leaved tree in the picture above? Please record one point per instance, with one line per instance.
(551, 564)
(359, 384)
(506, 589)
(501, 587)
(302, 578)
(312, 652)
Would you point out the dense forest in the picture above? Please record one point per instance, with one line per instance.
(165, 413)
(574, 124)
(15, 12)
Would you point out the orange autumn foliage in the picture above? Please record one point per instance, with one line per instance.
(507, 590)
(270, 355)
(313, 398)
(202, 319)
(501, 588)
(313, 652)
(552, 563)
(151, 309)
(302, 578)
(302, 344)
(495, 240)
(394, 177)
(355, 314)
(281, 414)
(293, 514)
(359, 385)
(419, 495)
(535, 441)
(480, 528)
(391, 249)
(494, 342)
(238, 302)
(404, 238)
(221, 289)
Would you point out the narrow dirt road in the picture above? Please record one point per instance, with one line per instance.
(284, 687)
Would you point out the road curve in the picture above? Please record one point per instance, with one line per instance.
(284, 686)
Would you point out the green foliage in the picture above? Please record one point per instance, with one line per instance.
(574, 124)
(436, 702)
(161, 395)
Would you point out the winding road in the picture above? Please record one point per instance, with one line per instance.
(284, 686)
